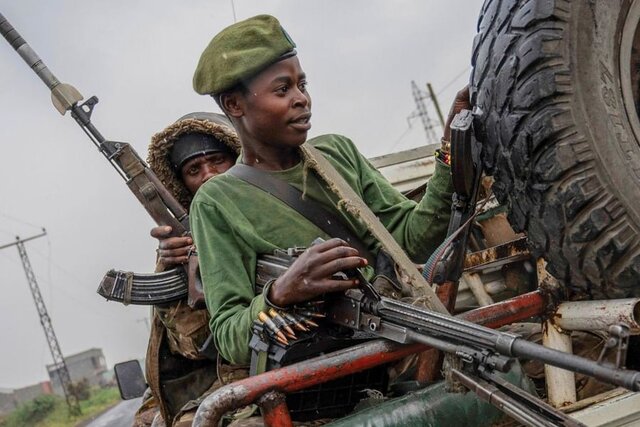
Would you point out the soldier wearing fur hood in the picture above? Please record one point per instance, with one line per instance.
(184, 155)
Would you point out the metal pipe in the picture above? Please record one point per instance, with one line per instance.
(508, 311)
(299, 376)
(561, 384)
(598, 315)
(497, 256)
(476, 286)
(364, 356)
(434, 99)
(275, 412)
(429, 363)
(29, 55)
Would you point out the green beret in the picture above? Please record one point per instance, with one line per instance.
(239, 52)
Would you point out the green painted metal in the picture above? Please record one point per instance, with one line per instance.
(434, 407)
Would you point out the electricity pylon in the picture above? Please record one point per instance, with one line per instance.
(419, 97)
(58, 360)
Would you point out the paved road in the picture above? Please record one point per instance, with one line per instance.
(120, 415)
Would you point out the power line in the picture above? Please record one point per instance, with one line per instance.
(233, 9)
(452, 81)
(59, 364)
(7, 232)
(70, 294)
(77, 279)
(421, 111)
(12, 218)
(418, 96)
(395, 144)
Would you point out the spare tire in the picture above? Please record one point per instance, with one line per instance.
(556, 86)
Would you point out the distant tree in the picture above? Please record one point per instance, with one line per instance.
(81, 389)
(33, 411)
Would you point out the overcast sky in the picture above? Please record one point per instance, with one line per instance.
(138, 57)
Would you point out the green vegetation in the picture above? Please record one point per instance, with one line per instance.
(52, 411)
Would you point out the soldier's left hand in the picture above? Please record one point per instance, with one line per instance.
(171, 250)
(313, 273)
(461, 102)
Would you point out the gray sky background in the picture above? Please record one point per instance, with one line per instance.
(138, 57)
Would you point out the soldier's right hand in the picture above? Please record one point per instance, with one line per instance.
(311, 274)
(171, 250)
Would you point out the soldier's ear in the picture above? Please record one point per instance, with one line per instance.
(231, 103)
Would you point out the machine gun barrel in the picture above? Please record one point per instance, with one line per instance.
(474, 344)
(363, 309)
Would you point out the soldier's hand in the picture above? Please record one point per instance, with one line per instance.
(171, 250)
(311, 274)
(462, 102)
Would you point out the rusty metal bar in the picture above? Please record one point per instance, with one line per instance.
(508, 311)
(598, 315)
(497, 256)
(429, 363)
(335, 365)
(473, 281)
(561, 384)
(447, 293)
(300, 376)
(274, 410)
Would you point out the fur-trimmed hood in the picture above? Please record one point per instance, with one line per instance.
(213, 124)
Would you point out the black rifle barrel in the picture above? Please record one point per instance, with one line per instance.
(622, 377)
(470, 334)
(29, 55)
(514, 402)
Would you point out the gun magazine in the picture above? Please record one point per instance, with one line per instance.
(144, 288)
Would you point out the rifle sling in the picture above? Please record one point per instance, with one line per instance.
(310, 209)
(419, 286)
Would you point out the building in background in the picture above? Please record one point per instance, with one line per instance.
(90, 365)
(10, 399)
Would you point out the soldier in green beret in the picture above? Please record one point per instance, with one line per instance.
(252, 71)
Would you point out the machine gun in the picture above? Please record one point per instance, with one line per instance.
(483, 351)
(170, 285)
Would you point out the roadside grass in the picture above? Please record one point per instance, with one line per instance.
(52, 411)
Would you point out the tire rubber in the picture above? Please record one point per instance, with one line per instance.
(558, 140)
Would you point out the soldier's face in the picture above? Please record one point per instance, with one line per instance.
(276, 107)
(198, 170)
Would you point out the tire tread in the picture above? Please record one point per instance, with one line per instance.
(544, 167)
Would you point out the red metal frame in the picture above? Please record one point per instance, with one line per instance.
(274, 410)
(300, 376)
(429, 363)
(509, 311)
(341, 363)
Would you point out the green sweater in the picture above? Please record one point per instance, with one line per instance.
(233, 222)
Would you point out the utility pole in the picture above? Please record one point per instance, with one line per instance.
(436, 104)
(58, 360)
(419, 97)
